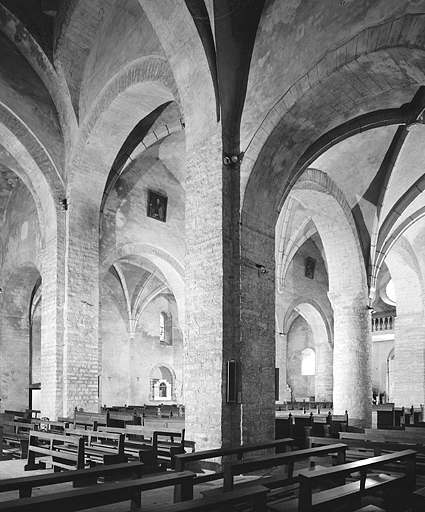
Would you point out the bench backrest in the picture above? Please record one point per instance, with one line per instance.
(311, 479)
(48, 436)
(279, 459)
(412, 435)
(357, 466)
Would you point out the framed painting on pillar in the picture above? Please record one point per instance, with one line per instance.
(157, 206)
(310, 267)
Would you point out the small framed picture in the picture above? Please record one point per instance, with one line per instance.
(157, 206)
(310, 267)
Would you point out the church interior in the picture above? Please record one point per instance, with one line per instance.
(214, 205)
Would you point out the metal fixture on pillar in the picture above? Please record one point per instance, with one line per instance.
(231, 388)
(233, 161)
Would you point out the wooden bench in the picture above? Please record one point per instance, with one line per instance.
(255, 496)
(101, 447)
(13, 445)
(62, 452)
(17, 427)
(56, 427)
(416, 436)
(24, 485)
(287, 459)
(342, 492)
(88, 420)
(164, 443)
(101, 495)
(182, 461)
(123, 418)
(359, 447)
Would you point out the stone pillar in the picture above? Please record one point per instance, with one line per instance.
(206, 348)
(81, 340)
(281, 340)
(258, 348)
(352, 368)
(409, 344)
(223, 321)
(324, 359)
(52, 320)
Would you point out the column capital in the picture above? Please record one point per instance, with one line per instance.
(342, 301)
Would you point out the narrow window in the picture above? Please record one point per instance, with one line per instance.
(163, 390)
(162, 327)
(308, 362)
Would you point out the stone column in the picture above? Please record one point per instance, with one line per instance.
(52, 320)
(229, 308)
(281, 340)
(258, 348)
(352, 369)
(206, 348)
(81, 339)
(324, 358)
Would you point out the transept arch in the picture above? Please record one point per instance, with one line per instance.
(322, 331)
(15, 336)
(358, 63)
(172, 270)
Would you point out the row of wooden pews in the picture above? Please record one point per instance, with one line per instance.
(300, 427)
(388, 416)
(314, 478)
(324, 481)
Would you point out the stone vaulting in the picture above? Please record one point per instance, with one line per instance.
(187, 183)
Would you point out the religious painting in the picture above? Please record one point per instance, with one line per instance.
(157, 206)
(310, 267)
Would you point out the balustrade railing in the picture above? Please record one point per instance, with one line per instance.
(381, 323)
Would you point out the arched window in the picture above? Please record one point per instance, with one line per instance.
(308, 362)
(163, 390)
(162, 327)
(165, 328)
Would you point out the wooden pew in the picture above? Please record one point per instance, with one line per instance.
(158, 446)
(24, 485)
(101, 495)
(360, 447)
(183, 461)
(17, 427)
(394, 486)
(90, 420)
(101, 447)
(62, 452)
(121, 418)
(416, 436)
(56, 427)
(13, 445)
(287, 459)
(383, 415)
(338, 423)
